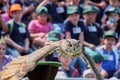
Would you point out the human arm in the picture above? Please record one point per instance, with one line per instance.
(42, 3)
(13, 44)
(27, 43)
(4, 26)
(81, 37)
(102, 4)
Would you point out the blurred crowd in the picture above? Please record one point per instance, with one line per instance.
(26, 25)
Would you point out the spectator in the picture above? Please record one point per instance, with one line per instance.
(89, 74)
(3, 27)
(28, 9)
(109, 66)
(76, 3)
(40, 27)
(73, 26)
(4, 59)
(18, 36)
(113, 21)
(66, 71)
(52, 36)
(92, 31)
(112, 3)
(74, 30)
(98, 59)
(56, 10)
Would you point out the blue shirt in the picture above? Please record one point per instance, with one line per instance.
(92, 33)
(75, 30)
(17, 34)
(57, 13)
(110, 62)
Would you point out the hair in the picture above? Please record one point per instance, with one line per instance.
(2, 40)
(49, 19)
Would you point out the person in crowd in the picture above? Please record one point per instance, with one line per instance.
(92, 31)
(28, 7)
(3, 27)
(73, 26)
(18, 35)
(111, 3)
(53, 35)
(56, 10)
(4, 59)
(40, 27)
(74, 30)
(109, 66)
(98, 59)
(66, 71)
(89, 74)
(112, 22)
(77, 3)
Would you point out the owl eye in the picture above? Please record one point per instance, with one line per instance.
(69, 43)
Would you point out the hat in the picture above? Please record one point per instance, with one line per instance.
(44, 71)
(88, 8)
(113, 9)
(42, 10)
(97, 57)
(15, 7)
(54, 35)
(87, 71)
(72, 9)
(109, 33)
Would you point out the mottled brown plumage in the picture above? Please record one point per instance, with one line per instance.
(20, 66)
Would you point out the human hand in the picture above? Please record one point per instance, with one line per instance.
(20, 48)
(26, 49)
(92, 46)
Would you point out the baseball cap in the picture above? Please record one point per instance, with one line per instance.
(88, 8)
(72, 9)
(54, 35)
(42, 10)
(113, 9)
(15, 7)
(97, 57)
(109, 33)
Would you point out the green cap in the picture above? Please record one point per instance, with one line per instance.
(109, 33)
(97, 57)
(88, 8)
(50, 63)
(41, 10)
(44, 71)
(54, 35)
(72, 9)
(113, 9)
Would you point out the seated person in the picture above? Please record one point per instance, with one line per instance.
(4, 59)
(66, 71)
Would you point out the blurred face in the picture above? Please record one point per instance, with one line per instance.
(109, 41)
(90, 17)
(76, 1)
(114, 15)
(42, 18)
(90, 75)
(2, 50)
(114, 3)
(65, 60)
(74, 18)
(17, 15)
